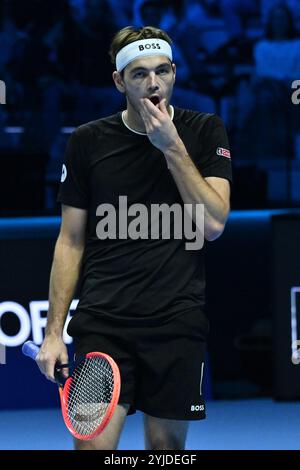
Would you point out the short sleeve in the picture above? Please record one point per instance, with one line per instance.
(215, 157)
(73, 190)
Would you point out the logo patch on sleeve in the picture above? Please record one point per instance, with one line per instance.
(223, 152)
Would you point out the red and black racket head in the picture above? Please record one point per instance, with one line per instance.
(90, 395)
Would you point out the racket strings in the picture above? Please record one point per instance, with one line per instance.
(90, 394)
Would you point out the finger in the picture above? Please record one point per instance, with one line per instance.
(65, 372)
(48, 370)
(163, 106)
(63, 359)
(149, 118)
(144, 114)
(146, 121)
(46, 366)
(151, 108)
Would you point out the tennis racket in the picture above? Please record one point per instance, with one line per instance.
(89, 395)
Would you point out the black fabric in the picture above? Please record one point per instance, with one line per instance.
(149, 280)
(161, 367)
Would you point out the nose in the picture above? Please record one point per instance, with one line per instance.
(152, 82)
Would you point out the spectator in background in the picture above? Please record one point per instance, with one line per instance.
(87, 33)
(269, 121)
(267, 5)
(121, 9)
(201, 13)
(11, 41)
(84, 89)
(277, 56)
(33, 65)
(166, 15)
(236, 13)
(172, 15)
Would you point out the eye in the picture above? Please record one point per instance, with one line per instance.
(139, 75)
(163, 71)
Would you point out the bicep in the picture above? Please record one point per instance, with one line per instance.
(73, 225)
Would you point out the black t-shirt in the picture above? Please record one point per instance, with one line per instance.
(142, 279)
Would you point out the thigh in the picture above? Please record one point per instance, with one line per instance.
(111, 343)
(171, 370)
(164, 434)
(109, 438)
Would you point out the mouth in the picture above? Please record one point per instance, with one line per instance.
(154, 99)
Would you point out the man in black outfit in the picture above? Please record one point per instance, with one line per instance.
(141, 291)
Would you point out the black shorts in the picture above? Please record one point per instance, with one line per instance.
(161, 366)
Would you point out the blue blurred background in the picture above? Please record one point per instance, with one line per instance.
(238, 59)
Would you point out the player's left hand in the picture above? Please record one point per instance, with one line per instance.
(159, 126)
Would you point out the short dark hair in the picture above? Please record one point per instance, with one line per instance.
(131, 34)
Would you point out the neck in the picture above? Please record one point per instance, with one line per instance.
(134, 120)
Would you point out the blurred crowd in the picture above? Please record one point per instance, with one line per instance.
(236, 58)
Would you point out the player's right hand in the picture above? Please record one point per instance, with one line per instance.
(52, 351)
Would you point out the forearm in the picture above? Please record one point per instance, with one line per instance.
(194, 189)
(63, 281)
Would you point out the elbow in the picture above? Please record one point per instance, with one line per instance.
(213, 231)
(74, 241)
(214, 228)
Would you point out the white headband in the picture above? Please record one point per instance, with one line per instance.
(142, 48)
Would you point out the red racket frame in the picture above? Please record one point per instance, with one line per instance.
(63, 392)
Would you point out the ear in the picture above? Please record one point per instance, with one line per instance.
(174, 71)
(117, 78)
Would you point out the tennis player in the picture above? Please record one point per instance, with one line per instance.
(142, 280)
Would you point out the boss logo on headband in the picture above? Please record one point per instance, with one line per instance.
(149, 46)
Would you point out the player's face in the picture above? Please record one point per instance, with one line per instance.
(149, 77)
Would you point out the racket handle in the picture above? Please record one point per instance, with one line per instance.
(30, 349)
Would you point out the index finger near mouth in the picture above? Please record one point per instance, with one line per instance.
(151, 107)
